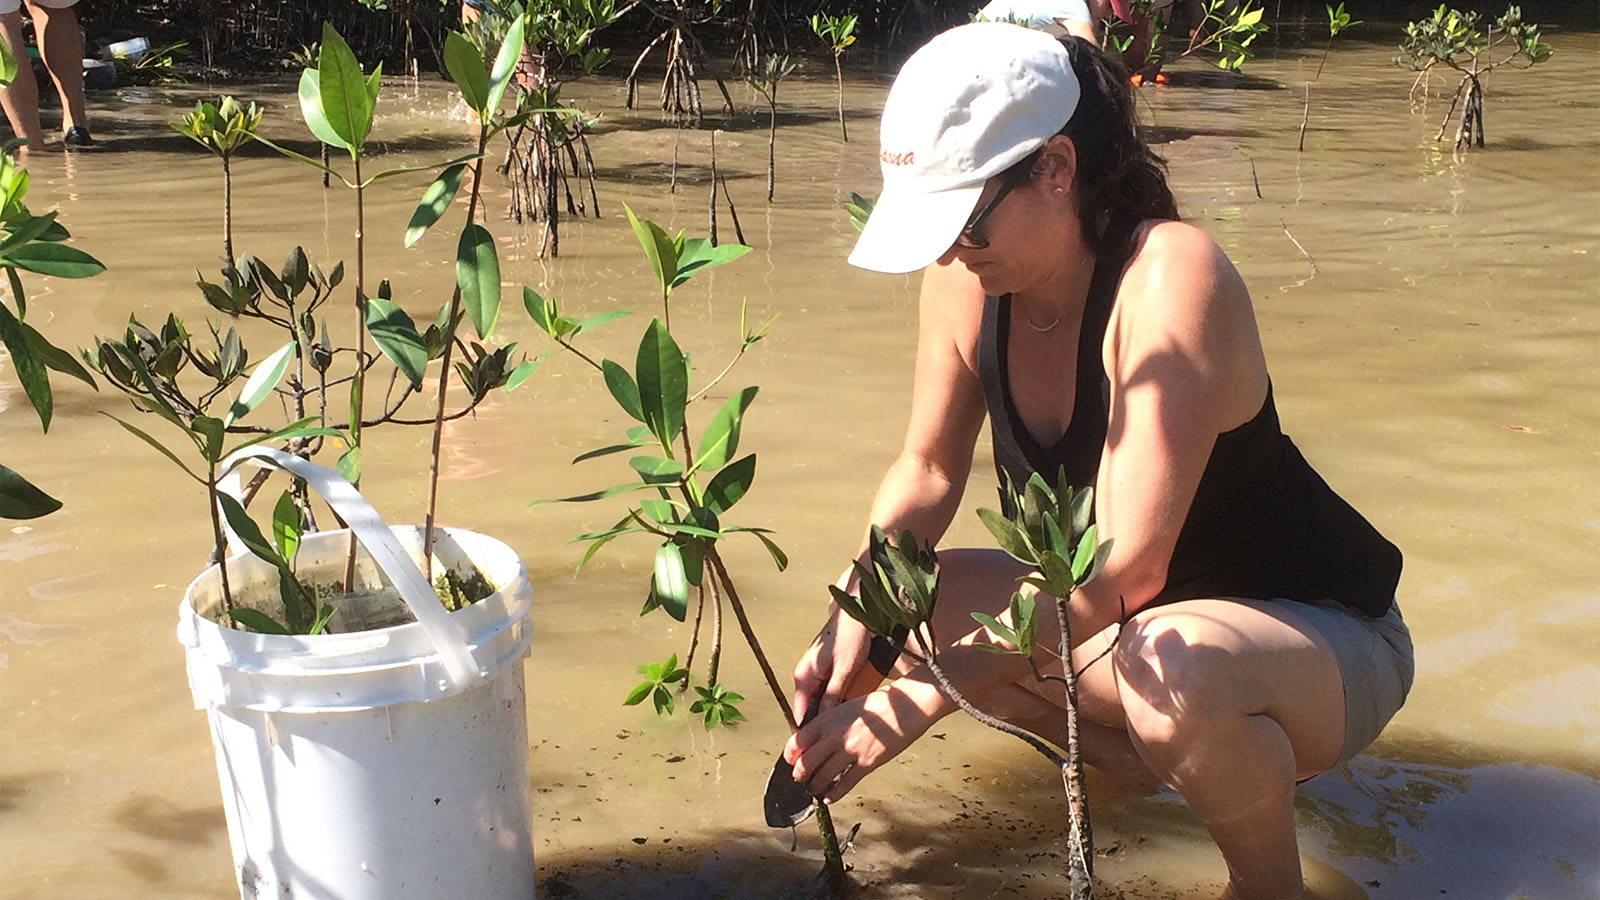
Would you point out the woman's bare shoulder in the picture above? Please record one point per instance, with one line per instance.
(952, 308)
(1178, 275)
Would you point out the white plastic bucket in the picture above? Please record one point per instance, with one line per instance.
(363, 765)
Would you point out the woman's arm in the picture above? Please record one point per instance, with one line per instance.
(922, 488)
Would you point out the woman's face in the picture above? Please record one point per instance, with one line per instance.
(1015, 239)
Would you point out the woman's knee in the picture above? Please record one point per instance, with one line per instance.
(1175, 681)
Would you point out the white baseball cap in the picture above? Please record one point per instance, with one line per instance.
(965, 107)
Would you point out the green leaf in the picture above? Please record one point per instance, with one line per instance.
(343, 91)
(8, 65)
(55, 358)
(596, 321)
(505, 63)
(598, 495)
(698, 253)
(24, 230)
(256, 620)
(435, 200)
(311, 110)
(286, 526)
(605, 451)
(261, 383)
(779, 558)
(639, 692)
(1101, 554)
(465, 65)
(658, 249)
(655, 469)
(670, 584)
(521, 372)
(1024, 616)
(210, 431)
(349, 465)
(1000, 629)
(663, 375)
(663, 700)
(1084, 555)
(622, 388)
(730, 484)
(245, 529)
(1008, 536)
(160, 447)
(21, 500)
(721, 438)
(478, 276)
(30, 368)
(396, 335)
(296, 429)
(57, 260)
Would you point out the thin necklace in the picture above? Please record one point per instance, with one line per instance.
(1043, 329)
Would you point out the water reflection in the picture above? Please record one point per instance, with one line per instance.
(1412, 830)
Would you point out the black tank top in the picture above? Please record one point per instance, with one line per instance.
(1262, 525)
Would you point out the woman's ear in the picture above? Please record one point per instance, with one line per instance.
(1058, 164)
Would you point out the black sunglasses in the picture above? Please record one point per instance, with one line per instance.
(970, 238)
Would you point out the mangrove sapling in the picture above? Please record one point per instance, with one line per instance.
(1047, 529)
(838, 32)
(1338, 20)
(680, 85)
(31, 243)
(1460, 41)
(544, 146)
(1227, 28)
(688, 512)
(764, 78)
(222, 128)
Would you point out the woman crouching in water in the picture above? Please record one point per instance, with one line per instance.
(1248, 611)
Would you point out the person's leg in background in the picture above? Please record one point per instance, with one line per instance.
(61, 45)
(20, 99)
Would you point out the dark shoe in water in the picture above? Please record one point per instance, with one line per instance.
(77, 136)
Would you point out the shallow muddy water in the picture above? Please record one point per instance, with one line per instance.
(1439, 363)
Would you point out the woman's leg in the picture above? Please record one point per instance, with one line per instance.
(61, 45)
(1231, 703)
(20, 98)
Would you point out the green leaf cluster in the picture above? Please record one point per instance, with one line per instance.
(837, 31)
(860, 208)
(658, 679)
(716, 706)
(1051, 529)
(220, 127)
(1233, 28)
(1456, 39)
(899, 584)
(1339, 20)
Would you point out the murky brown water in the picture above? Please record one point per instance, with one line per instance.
(1441, 367)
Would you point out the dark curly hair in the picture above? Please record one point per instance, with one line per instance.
(1120, 182)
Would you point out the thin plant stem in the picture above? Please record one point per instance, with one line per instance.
(227, 212)
(444, 370)
(221, 542)
(1080, 842)
(715, 659)
(361, 351)
(839, 74)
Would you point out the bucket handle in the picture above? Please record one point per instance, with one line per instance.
(447, 635)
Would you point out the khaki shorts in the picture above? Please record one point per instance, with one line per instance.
(11, 6)
(1375, 664)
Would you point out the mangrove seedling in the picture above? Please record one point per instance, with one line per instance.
(838, 32)
(764, 78)
(1048, 529)
(1338, 20)
(688, 488)
(222, 128)
(1462, 42)
(31, 243)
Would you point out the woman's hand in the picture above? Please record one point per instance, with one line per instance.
(831, 665)
(836, 750)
